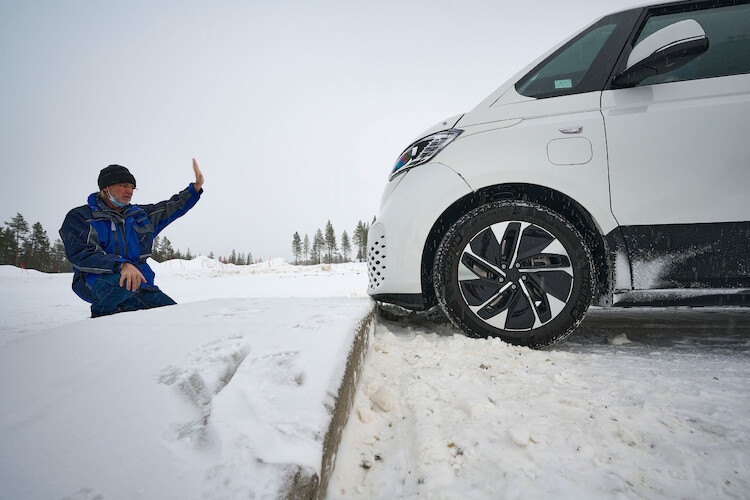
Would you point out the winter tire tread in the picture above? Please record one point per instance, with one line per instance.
(471, 224)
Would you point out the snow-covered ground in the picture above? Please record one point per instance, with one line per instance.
(31, 301)
(212, 398)
(638, 403)
(176, 402)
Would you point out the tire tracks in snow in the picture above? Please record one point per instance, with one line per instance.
(440, 415)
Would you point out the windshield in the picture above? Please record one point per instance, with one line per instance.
(583, 64)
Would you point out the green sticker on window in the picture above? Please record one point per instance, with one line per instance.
(564, 84)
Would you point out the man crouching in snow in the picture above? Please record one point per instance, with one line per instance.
(108, 241)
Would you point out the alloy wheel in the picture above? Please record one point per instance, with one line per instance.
(515, 276)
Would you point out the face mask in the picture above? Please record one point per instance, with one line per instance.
(115, 202)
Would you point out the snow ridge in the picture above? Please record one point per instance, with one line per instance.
(209, 368)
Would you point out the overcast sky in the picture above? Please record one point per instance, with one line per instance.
(294, 110)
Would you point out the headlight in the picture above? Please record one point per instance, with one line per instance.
(423, 150)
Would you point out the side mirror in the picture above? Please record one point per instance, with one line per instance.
(663, 51)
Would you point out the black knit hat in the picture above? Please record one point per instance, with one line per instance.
(115, 174)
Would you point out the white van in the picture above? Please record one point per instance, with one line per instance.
(615, 170)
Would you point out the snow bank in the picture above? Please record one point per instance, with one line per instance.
(220, 398)
(213, 266)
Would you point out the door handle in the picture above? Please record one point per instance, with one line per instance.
(572, 130)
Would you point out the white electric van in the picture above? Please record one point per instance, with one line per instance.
(615, 170)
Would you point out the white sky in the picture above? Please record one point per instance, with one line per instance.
(294, 110)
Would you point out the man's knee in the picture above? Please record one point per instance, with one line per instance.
(111, 298)
(155, 298)
(109, 285)
(108, 295)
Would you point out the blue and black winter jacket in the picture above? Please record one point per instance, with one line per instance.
(99, 239)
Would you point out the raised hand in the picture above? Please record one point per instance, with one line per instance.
(198, 176)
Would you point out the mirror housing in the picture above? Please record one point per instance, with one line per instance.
(663, 51)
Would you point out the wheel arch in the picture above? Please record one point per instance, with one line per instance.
(567, 207)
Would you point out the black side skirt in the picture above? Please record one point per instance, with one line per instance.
(690, 298)
(413, 301)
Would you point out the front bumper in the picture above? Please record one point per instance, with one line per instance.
(396, 240)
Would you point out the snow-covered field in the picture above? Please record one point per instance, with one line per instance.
(636, 404)
(31, 301)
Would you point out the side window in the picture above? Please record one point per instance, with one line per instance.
(728, 32)
(584, 63)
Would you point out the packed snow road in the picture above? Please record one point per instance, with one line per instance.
(637, 403)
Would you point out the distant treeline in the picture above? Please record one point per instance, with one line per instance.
(324, 248)
(163, 250)
(30, 248)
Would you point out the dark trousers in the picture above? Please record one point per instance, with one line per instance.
(111, 298)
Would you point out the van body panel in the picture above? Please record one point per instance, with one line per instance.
(518, 154)
(403, 224)
(683, 145)
(679, 160)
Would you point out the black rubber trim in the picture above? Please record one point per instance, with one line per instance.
(671, 298)
(413, 301)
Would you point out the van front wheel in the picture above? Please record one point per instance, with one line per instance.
(514, 270)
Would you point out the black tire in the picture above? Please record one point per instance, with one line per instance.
(514, 270)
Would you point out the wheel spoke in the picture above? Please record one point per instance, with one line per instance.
(533, 241)
(509, 243)
(556, 283)
(538, 300)
(497, 304)
(478, 292)
(485, 246)
(520, 314)
(481, 268)
(544, 261)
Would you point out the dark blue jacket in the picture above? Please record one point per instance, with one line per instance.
(99, 239)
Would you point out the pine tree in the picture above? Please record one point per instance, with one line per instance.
(346, 247)
(306, 247)
(357, 240)
(4, 246)
(314, 251)
(249, 258)
(59, 261)
(211, 254)
(36, 249)
(26, 253)
(167, 252)
(233, 257)
(360, 239)
(296, 247)
(318, 244)
(18, 228)
(155, 254)
(330, 241)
